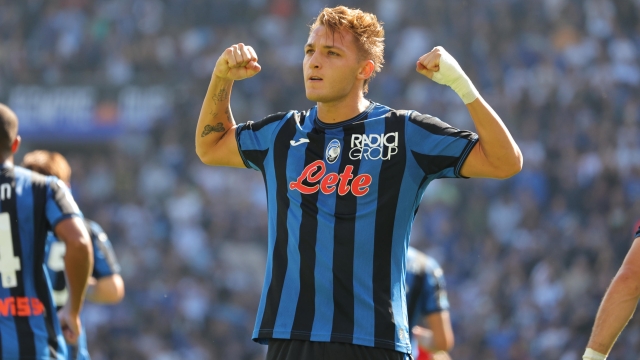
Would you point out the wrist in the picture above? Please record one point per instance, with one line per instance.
(220, 80)
(425, 340)
(465, 89)
(591, 354)
(72, 312)
(452, 75)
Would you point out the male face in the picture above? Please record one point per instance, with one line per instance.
(332, 68)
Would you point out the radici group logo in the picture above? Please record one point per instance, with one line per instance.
(373, 146)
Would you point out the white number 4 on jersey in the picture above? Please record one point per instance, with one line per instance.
(9, 263)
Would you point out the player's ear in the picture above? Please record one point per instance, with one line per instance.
(15, 145)
(366, 69)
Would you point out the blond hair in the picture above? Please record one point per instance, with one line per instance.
(48, 163)
(364, 26)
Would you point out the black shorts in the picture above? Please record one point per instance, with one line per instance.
(284, 349)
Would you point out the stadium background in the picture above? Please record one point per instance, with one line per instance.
(116, 86)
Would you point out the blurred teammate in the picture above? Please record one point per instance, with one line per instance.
(31, 205)
(106, 285)
(427, 303)
(344, 180)
(618, 305)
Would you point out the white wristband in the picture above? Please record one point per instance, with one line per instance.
(452, 75)
(591, 354)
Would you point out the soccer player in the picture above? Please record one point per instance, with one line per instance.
(427, 303)
(106, 285)
(344, 180)
(618, 305)
(31, 205)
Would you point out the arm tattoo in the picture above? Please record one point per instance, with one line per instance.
(208, 129)
(221, 96)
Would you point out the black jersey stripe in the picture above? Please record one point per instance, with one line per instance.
(26, 337)
(343, 248)
(40, 227)
(433, 164)
(435, 126)
(279, 259)
(259, 156)
(305, 309)
(256, 126)
(390, 180)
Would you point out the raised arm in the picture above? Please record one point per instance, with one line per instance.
(617, 307)
(496, 155)
(215, 132)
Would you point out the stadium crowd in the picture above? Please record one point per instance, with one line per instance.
(526, 260)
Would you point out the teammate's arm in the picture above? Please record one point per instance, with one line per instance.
(215, 132)
(106, 290)
(440, 325)
(618, 305)
(438, 336)
(496, 155)
(78, 262)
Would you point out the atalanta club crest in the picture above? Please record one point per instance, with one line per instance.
(333, 151)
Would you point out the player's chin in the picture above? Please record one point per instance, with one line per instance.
(319, 96)
(314, 96)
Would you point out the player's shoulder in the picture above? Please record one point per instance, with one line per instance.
(416, 260)
(273, 118)
(430, 123)
(95, 230)
(35, 178)
(432, 266)
(383, 111)
(419, 262)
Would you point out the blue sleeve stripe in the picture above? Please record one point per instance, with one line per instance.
(63, 217)
(260, 139)
(104, 258)
(465, 154)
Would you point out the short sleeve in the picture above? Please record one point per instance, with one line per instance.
(60, 204)
(438, 148)
(435, 299)
(255, 139)
(105, 262)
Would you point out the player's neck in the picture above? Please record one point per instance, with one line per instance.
(343, 109)
(6, 161)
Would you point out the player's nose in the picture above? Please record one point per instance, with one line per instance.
(314, 62)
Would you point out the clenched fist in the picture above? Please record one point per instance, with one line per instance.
(70, 323)
(439, 66)
(237, 62)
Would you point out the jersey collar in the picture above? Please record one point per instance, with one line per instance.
(358, 117)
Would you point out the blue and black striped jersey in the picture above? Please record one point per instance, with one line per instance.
(31, 206)
(426, 288)
(105, 264)
(341, 201)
